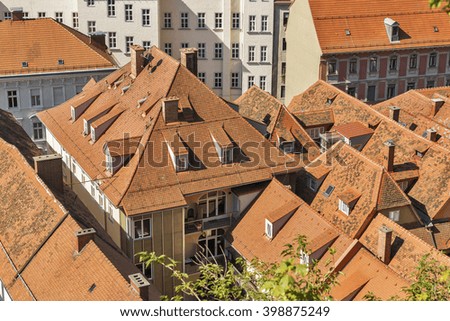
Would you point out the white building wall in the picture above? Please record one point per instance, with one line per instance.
(118, 24)
(48, 85)
(4, 295)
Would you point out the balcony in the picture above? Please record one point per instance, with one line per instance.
(209, 223)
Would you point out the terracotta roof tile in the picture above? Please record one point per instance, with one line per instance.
(369, 19)
(437, 236)
(315, 118)
(34, 41)
(353, 129)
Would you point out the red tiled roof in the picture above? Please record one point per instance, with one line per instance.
(366, 25)
(42, 43)
(353, 129)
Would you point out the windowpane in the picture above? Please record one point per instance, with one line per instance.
(35, 97)
(75, 23)
(38, 130)
(217, 80)
(236, 21)
(111, 8)
(128, 12)
(128, 42)
(218, 51)
(251, 23)
(264, 23)
(184, 20)
(112, 39)
(235, 50)
(201, 20)
(146, 17)
(218, 20)
(167, 20)
(201, 53)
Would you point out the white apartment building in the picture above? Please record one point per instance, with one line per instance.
(235, 38)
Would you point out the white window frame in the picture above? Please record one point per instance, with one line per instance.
(201, 53)
(251, 53)
(264, 23)
(235, 20)
(112, 39)
(75, 21)
(38, 130)
(128, 12)
(263, 54)
(394, 215)
(138, 231)
(146, 17)
(235, 50)
(111, 8)
(168, 48)
(218, 50)
(59, 17)
(218, 80)
(218, 20)
(433, 60)
(251, 81)
(343, 207)
(252, 23)
(128, 42)
(184, 20)
(34, 97)
(90, 3)
(146, 44)
(268, 229)
(202, 76)
(313, 184)
(167, 20)
(91, 26)
(262, 82)
(201, 20)
(235, 80)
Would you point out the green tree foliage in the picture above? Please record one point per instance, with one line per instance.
(445, 4)
(256, 280)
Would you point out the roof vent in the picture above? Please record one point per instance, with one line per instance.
(125, 88)
(347, 32)
(24, 64)
(141, 101)
(436, 29)
(83, 237)
(60, 61)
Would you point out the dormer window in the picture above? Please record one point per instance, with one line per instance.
(394, 215)
(125, 88)
(304, 258)
(178, 152)
(288, 147)
(182, 163)
(86, 127)
(392, 29)
(24, 64)
(72, 113)
(312, 183)
(344, 208)
(60, 61)
(223, 144)
(269, 229)
(227, 156)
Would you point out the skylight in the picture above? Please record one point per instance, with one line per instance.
(329, 190)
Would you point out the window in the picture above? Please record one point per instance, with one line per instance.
(304, 258)
(111, 8)
(234, 80)
(312, 184)
(128, 12)
(182, 163)
(35, 95)
(218, 50)
(167, 20)
(351, 91)
(101, 200)
(12, 99)
(146, 44)
(93, 190)
(413, 61)
(184, 45)
(394, 215)
(91, 27)
(329, 190)
(371, 93)
(410, 86)
(184, 20)
(202, 76)
(332, 67)
(285, 18)
(282, 91)
(217, 80)
(59, 17)
(75, 23)
(145, 270)
(142, 228)
(344, 208)
(264, 23)
(403, 185)
(112, 39)
(251, 81)
(288, 147)
(58, 95)
(373, 64)
(41, 14)
(211, 243)
(146, 17)
(218, 20)
(236, 20)
(201, 53)
(262, 82)
(90, 3)
(390, 91)
(430, 83)
(251, 23)
(235, 50)
(7, 15)
(128, 42)
(25, 14)
(201, 20)
(284, 44)
(168, 48)
(432, 60)
(352, 66)
(263, 54)
(393, 63)
(269, 229)
(315, 132)
(251, 53)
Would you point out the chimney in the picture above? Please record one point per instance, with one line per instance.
(82, 238)
(49, 169)
(431, 135)
(384, 244)
(170, 109)
(137, 60)
(97, 39)
(436, 105)
(140, 284)
(394, 113)
(389, 152)
(17, 14)
(189, 59)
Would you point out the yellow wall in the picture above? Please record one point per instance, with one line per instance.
(303, 50)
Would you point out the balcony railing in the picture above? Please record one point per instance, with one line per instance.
(213, 222)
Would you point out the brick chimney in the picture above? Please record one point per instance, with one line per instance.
(170, 109)
(189, 59)
(97, 39)
(17, 14)
(384, 244)
(137, 59)
(431, 135)
(82, 238)
(49, 169)
(140, 284)
(389, 152)
(394, 113)
(436, 105)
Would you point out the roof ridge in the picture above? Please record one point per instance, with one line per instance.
(381, 14)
